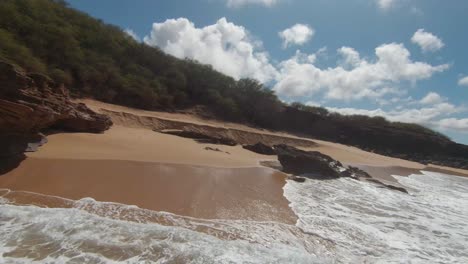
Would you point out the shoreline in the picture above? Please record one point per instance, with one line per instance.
(195, 191)
(126, 165)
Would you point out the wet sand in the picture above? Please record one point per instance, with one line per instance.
(195, 191)
(447, 170)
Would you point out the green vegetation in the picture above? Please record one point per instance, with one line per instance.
(99, 60)
(95, 59)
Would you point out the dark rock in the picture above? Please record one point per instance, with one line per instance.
(12, 78)
(30, 103)
(260, 148)
(357, 173)
(83, 119)
(30, 107)
(315, 165)
(388, 186)
(11, 162)
(13, 146)
(297, 178)
(42, 82)
(200, 137)
(299, 162)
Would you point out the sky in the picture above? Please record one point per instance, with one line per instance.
(406, 60)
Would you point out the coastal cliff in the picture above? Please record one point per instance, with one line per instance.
(32, 103)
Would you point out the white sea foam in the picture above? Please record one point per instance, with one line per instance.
(57, 235)
(376, 225)
(340, 221)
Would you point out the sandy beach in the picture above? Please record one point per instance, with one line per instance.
(132, 164)
(195, 191)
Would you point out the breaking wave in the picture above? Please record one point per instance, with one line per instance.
(377, 225)
(339, 221)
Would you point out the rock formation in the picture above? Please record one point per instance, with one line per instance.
(260, 148)
(315, 165)
(199, 137)
(30, 103)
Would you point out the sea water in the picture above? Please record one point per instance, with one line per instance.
(339, 221)
(378, 225)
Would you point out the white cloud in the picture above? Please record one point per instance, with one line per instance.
(351, 57)
(463, 81)
(298, 34)
(386, 4)
(239, 3)
(455, 124)
(357, 79)
(427, 41)
(434, 116)
(230, 49)
(431, 98)
(132, 34)
(224, 45)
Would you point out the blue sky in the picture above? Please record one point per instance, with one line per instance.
(402, 59)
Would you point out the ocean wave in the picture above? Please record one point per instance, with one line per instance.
(377, 225)
(339, 221)
(98, 232)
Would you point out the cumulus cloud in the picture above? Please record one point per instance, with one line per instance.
(427, 41)
(230, 49)
(298, 34)
(434, 111)
(455, 124)
(224, 45)
(132, 34)
(425, 115)
(435, 116)
(239, 3)
(351, 57)
(355, 78)
(463, 81)
(431, 98)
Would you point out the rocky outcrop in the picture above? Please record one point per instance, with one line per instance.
(241, 135)
(314, 164)
(388, 186)
(30, 103)
(200, 137)
(260, 148)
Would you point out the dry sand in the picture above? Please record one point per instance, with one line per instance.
(132, 164)
(138, 144)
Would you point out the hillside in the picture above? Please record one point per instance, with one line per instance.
(97, 60)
